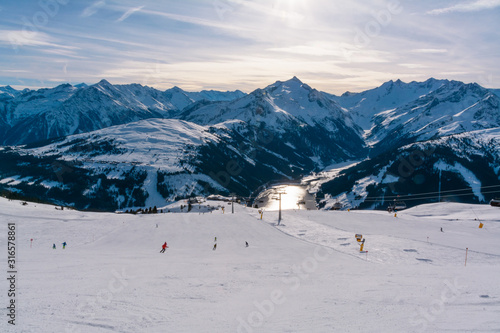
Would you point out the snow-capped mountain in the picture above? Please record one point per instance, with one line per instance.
(117, 146)
(182, 99)
(302, 121)
(8, 92)
(495, 91)
(453, 108)
(33, 115)
(426, 137)
(119, 166)
(463, 168)
(365, 105)
(215, 96)
(144, 163)
(399, 113)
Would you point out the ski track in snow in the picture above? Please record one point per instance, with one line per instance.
(111, 278)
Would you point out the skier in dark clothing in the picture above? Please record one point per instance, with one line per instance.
(163, 247)
(246, 244)
(64, 245)
(53, 246)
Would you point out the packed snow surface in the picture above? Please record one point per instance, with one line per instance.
(305, 275)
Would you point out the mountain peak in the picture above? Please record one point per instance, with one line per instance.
(8, 89)
(103, 83)
(175, 89)
(293, 84)
(63, 86)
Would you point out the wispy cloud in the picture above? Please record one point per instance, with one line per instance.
(20, 38)
(93, 8)
(310, 49)
(414, 66)
(467, 7)
(195, 20)
(129, 12)
(430, 51)
(14, 71)
(228, 44)
(64, 53)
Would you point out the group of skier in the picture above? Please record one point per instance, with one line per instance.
(165, 246)
(63, 244)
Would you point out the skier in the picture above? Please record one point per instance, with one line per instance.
(163, 247)
(215, 247)
(442, 229)
(53, 246)
(64, 245)
(246, 244)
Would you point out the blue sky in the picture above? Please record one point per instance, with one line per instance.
(332, 45)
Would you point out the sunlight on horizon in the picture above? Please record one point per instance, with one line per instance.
(290, 200)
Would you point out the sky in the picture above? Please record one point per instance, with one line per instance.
(332, 45)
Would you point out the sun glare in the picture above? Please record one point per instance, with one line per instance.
(292, 12)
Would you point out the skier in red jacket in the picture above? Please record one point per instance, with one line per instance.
(163, 247)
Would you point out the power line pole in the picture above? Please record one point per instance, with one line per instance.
(279, 217)
(232, 203)
(439, 197)
(279, 193)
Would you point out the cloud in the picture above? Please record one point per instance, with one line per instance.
(93, 8)
(196, 21)
(14, 71)
(20, 38)
(129, 12)
(311, 49)
(467, 7)
(414, 66)
(430, 51)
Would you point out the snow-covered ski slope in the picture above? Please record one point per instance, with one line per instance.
(306, 275)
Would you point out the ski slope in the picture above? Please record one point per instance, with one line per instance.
(305, 275)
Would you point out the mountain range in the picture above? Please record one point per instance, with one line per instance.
(111, 147)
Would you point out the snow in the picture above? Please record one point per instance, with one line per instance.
(306, 275)
(315, 180)
(150, 184)
(365, 106)
(15, 180)
(388, 179)
(467, 175)
(66, 109)
(216, 96)
(422, 110)
(50, 184)
(279, 104)
(11, 180)
(158, 143)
